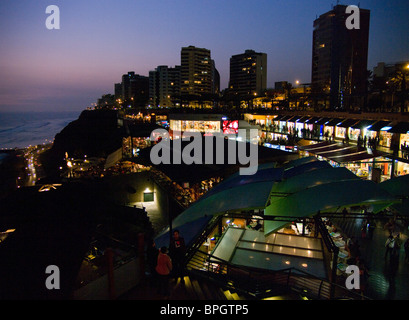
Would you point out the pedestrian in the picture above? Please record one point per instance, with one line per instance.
(177, 250)
(371, 228)
(389, 245)
(396, 248)
(163, 269)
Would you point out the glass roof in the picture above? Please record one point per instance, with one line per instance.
(250, 248)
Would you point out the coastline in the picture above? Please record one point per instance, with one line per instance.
(12, 170)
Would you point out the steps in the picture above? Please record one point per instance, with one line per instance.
(199, 289)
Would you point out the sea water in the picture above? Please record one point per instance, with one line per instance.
(22, 129)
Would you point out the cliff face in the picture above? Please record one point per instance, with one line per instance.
(95, 134)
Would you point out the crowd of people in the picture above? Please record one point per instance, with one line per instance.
(370, 142)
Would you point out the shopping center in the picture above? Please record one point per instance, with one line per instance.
(373, 146)
(252, 233)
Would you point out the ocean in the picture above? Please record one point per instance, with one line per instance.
(22, 129)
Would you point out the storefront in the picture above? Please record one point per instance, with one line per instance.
(365, 169)
(204, 123)
(361, 162)
(385, 138)
(328, 131)
(402, 168)
(340, 132)
(354, 134)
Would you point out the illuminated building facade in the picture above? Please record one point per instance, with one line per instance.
(339, 57)
(248, 73)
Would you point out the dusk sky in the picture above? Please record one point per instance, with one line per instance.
(99, 40)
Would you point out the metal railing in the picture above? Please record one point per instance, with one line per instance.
(260, 283)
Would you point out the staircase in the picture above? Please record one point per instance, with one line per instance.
(200, 289)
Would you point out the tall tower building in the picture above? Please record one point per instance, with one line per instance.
(135, 87)
(248, 73)
(164, 86)
(196, 71)
(340, 57)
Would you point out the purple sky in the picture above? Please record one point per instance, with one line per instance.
(68, 69)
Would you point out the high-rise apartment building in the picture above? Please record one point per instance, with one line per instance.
(134, 88)
(340, 57)
(164, 87)
(248, 73)
(196, 71)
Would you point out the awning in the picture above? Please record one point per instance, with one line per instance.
(279, 117)
(285, 118)
(363, 124)
(341, 153)
(338, 151)
(294, 118)
(312, 178)
(378, 125)
(322, 121)
(299, 162)
(303, 119)
(312, 120)
(399, 187)
(401, 127)
(348, 123)
(353, 157)
(326, 197)
(307, 167)
(317, 146)
(334, 122)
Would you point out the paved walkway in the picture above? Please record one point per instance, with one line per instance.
(388, 280)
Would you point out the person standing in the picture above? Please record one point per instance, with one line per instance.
(177, 250)
(163, 269)
(389, 245)
(396, 248)
(371, 228)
